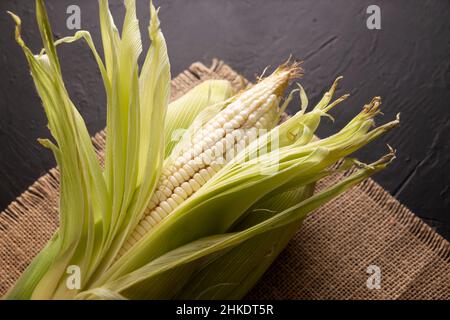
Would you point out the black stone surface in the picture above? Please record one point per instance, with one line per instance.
(406, 62)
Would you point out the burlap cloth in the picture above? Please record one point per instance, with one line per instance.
(327, 259)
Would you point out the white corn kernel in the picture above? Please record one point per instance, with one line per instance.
(151, 220)
(179, 200)
(198, 177)
(156, 215)
(193, 164)
(194, 185)
(166, 207)
(180, 192)
(189, 169)
(140, 230)
(174, 181)
(187, 188)
(228, 126)
(172, 202)
(205, 175)
(145, 224)
(167, 192)
(179, 177)
(161, 196)
(184, 174)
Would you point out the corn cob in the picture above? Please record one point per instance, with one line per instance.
(246, 117)
(94, 225)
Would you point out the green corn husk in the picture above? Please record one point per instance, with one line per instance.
(182, 112)
(217, 243)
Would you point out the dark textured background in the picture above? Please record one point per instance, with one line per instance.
(406, 62)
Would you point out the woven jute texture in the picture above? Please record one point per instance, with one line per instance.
(328, 258)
